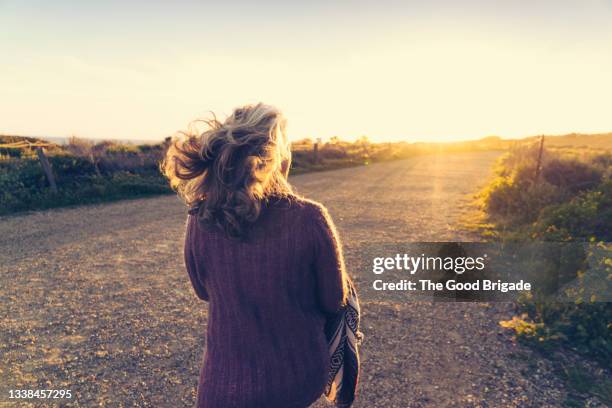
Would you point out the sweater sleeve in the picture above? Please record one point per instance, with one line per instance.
(191, 260)
(332, 280)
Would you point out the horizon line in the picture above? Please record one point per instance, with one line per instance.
(372, 139)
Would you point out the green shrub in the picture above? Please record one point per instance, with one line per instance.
(584, 327)
(10, 152)
(585, 217)
(570, 201)
(571, 175)
(67, 166)
(517, 196)
(23, 185)
(604, 162)
(578, 318)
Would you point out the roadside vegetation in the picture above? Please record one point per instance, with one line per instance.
(562, 194)
(85, 173)
(88, 172)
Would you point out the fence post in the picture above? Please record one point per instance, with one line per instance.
(46, 168)
(539, 162)
(315, 151)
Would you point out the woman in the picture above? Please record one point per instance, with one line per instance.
(268, 262)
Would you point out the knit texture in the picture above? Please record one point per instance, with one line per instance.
(269, 296)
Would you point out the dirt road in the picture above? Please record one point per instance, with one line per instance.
(95, 299)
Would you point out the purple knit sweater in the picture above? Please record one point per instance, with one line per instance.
(268, 299)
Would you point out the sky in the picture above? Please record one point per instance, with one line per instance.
(391, 70)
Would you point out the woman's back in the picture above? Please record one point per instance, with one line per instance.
(269, 293)
(268, 262)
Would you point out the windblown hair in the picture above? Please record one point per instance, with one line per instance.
(229, 170)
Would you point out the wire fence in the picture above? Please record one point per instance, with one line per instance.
(39, 147)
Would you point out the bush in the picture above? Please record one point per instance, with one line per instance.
(586, 217)
(330, 151)
(10, 152)
(515, 193)
(581, 318)
(571, 175)
(604, 161)
(517, 196)
(583, 327)
(571, 201)
(67, 166)
(23, 185)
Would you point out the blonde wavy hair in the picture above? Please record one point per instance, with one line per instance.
(226, 172)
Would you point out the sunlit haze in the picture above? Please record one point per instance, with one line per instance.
(391, 70)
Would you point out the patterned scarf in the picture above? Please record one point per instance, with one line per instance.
(343, 337)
